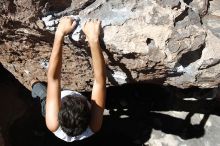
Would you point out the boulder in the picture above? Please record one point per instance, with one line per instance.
(170, 42)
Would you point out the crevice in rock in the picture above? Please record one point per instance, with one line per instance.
(149, 41)
(201, 21)
(169, 3)
(206, 9)
(177, 6)
(191, 56)
(12, 24)
(195, 92)
(74, 11)
(12, 7)
(181, 16)
(42, 3)
(59, 6)
(147, 70)
(187, 1)
(209, 63)
(88, 3)
(131, 55)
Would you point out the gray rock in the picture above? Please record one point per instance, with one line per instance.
(201, 7)
(169, 3)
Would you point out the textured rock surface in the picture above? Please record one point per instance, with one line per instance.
(173, 42)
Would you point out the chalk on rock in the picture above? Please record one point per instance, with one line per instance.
(51, 24)
(76, 33)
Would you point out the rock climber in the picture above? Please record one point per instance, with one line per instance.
(69, 114)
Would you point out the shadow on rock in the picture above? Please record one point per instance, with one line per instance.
(132, 113)
(134, 110)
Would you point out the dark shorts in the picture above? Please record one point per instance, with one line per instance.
(39, 92)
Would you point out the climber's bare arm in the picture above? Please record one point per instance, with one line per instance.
(65, 26)
(92, 31)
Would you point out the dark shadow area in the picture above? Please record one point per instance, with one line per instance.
(132, 115)
(87, 4)
(12, 7)
(58, 6)
(187, 1)
(191, 56)
(14, 102)
(149, 41)
(181, 17)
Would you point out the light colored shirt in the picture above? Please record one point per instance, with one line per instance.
(61, 134)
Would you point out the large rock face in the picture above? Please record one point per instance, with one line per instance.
(173, 42)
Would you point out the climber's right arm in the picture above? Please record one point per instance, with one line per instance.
(53, 100)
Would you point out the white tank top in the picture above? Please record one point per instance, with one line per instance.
(61, 134)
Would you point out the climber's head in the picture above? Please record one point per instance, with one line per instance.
(74, 115)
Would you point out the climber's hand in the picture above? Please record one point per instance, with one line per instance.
(66, 25)
(92, 30)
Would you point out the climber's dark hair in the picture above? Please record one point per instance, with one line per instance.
(74, 115)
